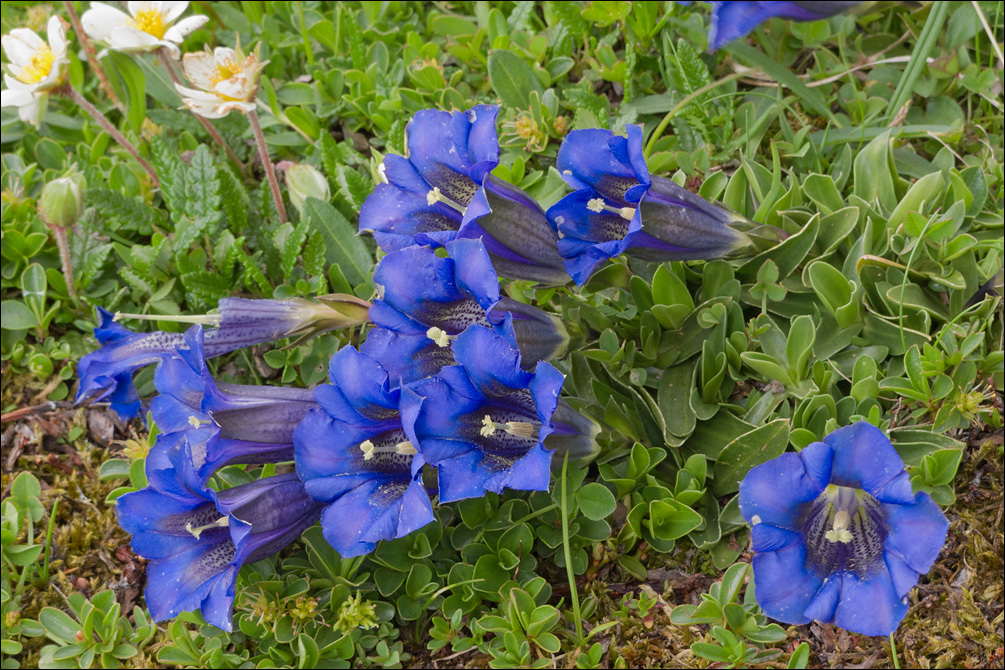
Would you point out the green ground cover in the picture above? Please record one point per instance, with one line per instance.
(875, 141)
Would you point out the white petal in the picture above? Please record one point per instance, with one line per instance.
(225, 53)
(231, 105)
(32, 112)
(179, 31)
(237, 87)
(124, 38)
(16, 95)
(57, 38)
(19, 47)
(172, 10)
(101, 19)
(199, 69)
(208, 110)
(201, 96)
(137, 7)
(171, 47)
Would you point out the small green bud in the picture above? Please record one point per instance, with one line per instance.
(303, 181)
(62, 200)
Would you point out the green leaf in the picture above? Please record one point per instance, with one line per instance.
(758, 446)
(58, 625)
(812, 99)
(345, 248)
(131, 86)
(512, 79)
(800, 658)
(595, 501)
(15, 315)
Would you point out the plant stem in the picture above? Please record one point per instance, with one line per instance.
(92, 56)
(573, 592)
(172, 70)
(270, 172)
(893, 653)
(72, 93)
(64, 256)
(684, 103)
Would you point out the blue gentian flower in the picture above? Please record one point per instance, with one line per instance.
(482, 423)
(425, 294)
(426, 192)
(354, 456)
(521, 242)
(106, 374)
(443, 190)
(223, 423)
(733, 20)
(839, 535)
(406, 357)
(619, 208)
(197, 539)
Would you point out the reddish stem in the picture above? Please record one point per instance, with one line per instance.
(270, 172)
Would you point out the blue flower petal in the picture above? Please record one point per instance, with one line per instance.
(765, 537)
(489, 359)
(917, 531)
(363, 382)
(599, 160)
(822, 607)
(182, 582)
(438, 147)
(733, 20)
(532, 472)
(904, 578)
(776, 491)
(407, 358)
(870, 606)
(396, 217)
(459, 475)
(473, 271)
(545, 388)
(218, 606)
(784, 587)
(345, 521)
(865, 459)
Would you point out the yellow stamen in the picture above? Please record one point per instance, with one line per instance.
(38, 67)
(598, 205)
(439, 336)
(195, 421)
(225, 69)
(405, 448)
(839, 532)
(151, 22)
(222, 522)
(518, 428)
(367, 448)
(435, 196)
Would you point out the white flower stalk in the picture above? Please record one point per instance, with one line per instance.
(147, 27)
(225, 80)
(35, 68)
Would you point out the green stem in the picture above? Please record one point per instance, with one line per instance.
(893, 653)
(64, 256)
(270, 172)
(92, 56)
(684, 103)
(573, 593)
(303, 33)
(72, 93)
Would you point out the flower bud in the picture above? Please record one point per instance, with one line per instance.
(303, 181)
(62, 200)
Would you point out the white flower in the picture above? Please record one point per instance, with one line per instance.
(148, 28)
(226, 80)
(34, 69)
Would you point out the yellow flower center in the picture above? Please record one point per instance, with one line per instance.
(225, 69)
(38, 67)
(151, 22)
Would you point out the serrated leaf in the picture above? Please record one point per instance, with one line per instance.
(352, 185)
(207, 287)
(234, 200)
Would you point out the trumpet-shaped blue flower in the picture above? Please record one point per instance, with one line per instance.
(406, 358)
(619, 208)
(733, 20)
(483, 423)
(426, 192)
(354, 456)
(424, 294)
(520, 240)
(223, 423)
(198, 539)
(839, 535)
(443, 191)
(106, 374)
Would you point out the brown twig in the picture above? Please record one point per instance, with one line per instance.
(92, 56)
(72, 93)
(171, 68)
(270, 172)
(27, 411)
